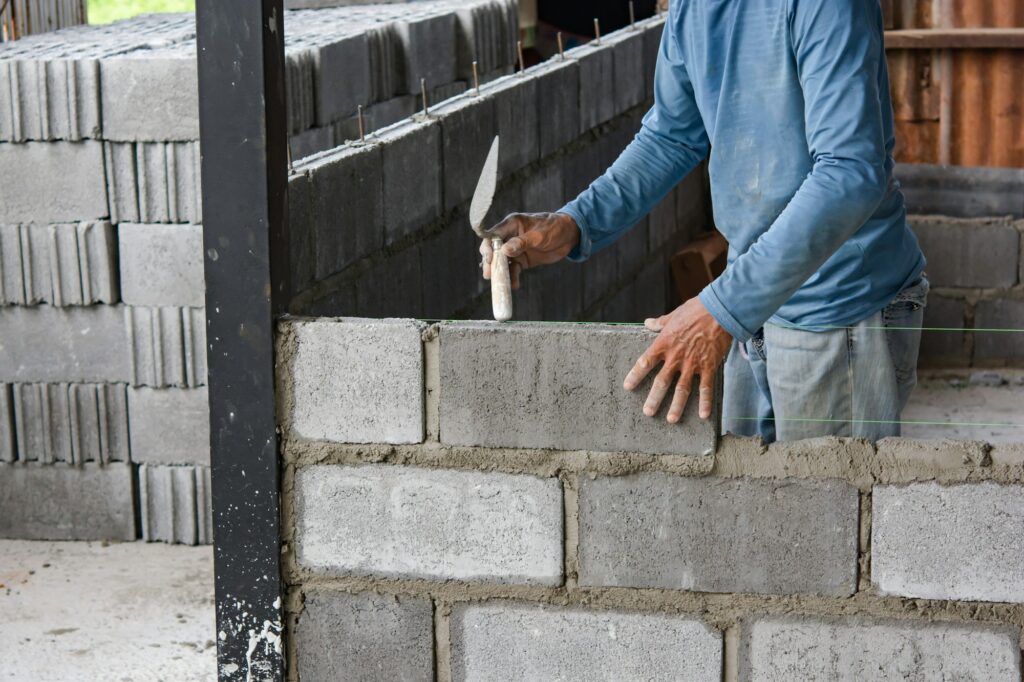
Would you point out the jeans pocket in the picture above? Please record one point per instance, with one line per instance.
(757, 345)
(903, 319)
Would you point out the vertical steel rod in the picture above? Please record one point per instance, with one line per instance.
(561, 45)
(597, 31)
(476, 78)
(243, 134)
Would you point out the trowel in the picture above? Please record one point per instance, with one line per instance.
(501, 281)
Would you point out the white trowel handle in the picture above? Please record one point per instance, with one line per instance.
(501, 283)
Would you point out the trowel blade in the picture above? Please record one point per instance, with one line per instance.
(484, 193)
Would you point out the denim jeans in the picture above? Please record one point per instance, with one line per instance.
(787, 384)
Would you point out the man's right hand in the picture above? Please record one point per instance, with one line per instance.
(530, 240)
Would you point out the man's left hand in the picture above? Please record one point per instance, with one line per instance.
(690, 341)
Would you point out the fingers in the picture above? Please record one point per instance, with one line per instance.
(521, 244)
(707, 393)
(655, 324)
(512, 225)
(680, 396)
(659, 388)
(485, 255)
(641, 369)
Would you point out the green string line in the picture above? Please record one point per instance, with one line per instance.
(810, 329)
(876, 421)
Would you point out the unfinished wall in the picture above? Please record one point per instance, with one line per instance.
(482, 501)
(381, 228)
(102, 327)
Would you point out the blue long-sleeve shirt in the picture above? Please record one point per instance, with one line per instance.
(791, 98)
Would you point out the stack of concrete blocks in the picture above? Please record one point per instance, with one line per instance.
(380, 227)
(482, 501)
(103, 409)
(20, 18)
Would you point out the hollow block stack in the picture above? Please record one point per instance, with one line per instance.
(103, 407)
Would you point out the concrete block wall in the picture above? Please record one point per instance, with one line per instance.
(455, 509)
(976, 270)
(379, 228)
(103, 357)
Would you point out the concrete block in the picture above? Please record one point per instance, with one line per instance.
(346, 200)
(719, 535)
(968, 253)
(300, 74)
(467, 131)
(355, 381)
(961, 191)
(8, 444)
(312, 141)
(804, 648)
(442, 93)
(385, 54)
(342, 78)
(162, 264)
(301, 232)
(555, 386)
(49, 99)
(653, 28)
(165, 346)
(542, 190)
(72, 423)
(600, 275)
(562, 285)
(430, 524)
(52, 182)
(629, 84)
(516, 118)
(963, 542)
(596, 84)
(558, 105)
(999, 314)
(411, 155)
(427, 50)
(942, 340)
(60, 502)
(366, 636)
(450, 275)
(486, 33)
(154, 182)
(169, 425)
(63, 344)
(62, 264)
(580, 167)
(175, 504)
(392, 287)
(632, 250)
(151, 94)
(508, 641)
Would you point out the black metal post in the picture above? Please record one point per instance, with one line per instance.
(244, 168)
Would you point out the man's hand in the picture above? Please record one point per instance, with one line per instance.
(531, 239)
(690, 341)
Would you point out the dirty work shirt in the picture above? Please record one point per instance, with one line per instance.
(792, 99)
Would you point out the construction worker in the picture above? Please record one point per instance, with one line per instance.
(820, 307)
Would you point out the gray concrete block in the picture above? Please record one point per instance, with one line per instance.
(555, 386)
(427, 50)
(342, 78)
(719, 535)
(165, 346)
(467, 131)
(162, 265)
(312, 141)
(52, 182)
(368, 637)
(356, 381)
(508, 641)
(580, 167)
(300, 74)
(301, 232)
(596, 84)
(8, 443)
(515, 111)
(347, 206)
(175, 504)
(558, 105)
(60, 502)
(62, 264)
(562, 286)
(72, 423)
(63, 344)
(154, 182)
(942, 340)
(1004, 313)
(151, 94)
(450, 275)
(385, 54)
(49, 99)
(653, 28)
(486, 33)
(962, 542)
(169, 425)
(431, 524)
(806, 648)
(968, 253)
(542, 190)
(629, 84)
(442, 93)
(411, 155)
(393, 287)
(961, 191)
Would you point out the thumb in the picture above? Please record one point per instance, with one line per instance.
(517, 246)
(655, 324)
